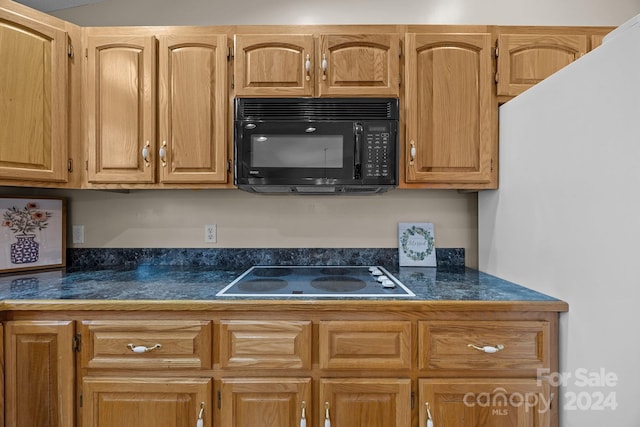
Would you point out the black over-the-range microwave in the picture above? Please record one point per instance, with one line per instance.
(316, 145)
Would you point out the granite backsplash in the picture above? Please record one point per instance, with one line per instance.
(241, 258)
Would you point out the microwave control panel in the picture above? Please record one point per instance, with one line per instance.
(378, 151)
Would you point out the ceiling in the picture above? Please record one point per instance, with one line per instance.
(51, 5)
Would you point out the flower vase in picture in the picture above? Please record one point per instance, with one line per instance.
(24, 223)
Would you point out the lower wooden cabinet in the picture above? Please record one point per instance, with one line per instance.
(485, 402)
(146, 402)
(39, 373)
(265, 402)
(279, 368)
(366, 402)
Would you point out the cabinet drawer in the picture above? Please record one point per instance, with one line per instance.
(447, 346)
(265, 344)
(172, 344)
(365, 345)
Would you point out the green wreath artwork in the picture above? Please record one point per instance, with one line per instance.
(417, 255)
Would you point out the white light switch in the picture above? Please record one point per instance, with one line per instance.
(78, 233)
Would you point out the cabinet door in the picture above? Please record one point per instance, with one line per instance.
(380, 402)
(192, 108)
(33, 100)
(358, 65)
(265, 402)
(146, 402)
(274, 65)
(526, 59)
(121, 108)
(487, 403)
(451, 114)
(39, 373)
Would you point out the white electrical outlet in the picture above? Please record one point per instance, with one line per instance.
(78, 233)
(210, 231)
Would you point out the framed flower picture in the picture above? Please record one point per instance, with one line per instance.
(32, 233)
(416, 244)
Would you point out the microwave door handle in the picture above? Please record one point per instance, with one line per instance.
(357, 151)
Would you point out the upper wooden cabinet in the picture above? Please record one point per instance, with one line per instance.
(450, 111)
(328, 65)
(526, 59)
(191, 103)
(33, 100)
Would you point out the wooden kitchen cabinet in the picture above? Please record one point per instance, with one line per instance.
(485, 402)
(472, 365)
(33, 100)
(450, 112)
(265, 402)
(146, 402)
(191, 76)
(526, 59)
(39, 373)
(136, 356)
(304, 65)
(268, 363)
(366, 402)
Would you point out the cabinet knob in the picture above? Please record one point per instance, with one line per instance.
(303, 417)
(163, 153)
(412, 152)
(324, 65)
(200, 421)
(327, 420)
(145, 154)
(487, 348)
(307, 66)
(429, 417)
(142, 348)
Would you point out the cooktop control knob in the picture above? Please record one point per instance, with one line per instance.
(382, 278)
(377, 272)
(388, 283)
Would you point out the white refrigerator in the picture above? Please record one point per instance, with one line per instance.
(566, 221)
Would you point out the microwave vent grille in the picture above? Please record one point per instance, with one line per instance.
(316, 109)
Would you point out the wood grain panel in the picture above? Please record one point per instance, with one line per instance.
(359, 65)
(39, 373)
(192, 94)
(33, 100)
(365, 345)
(184, 344)
(265, 344)
(121, 108)
(146, 402)
(265, 402)
(449, 109)
(371, 402)
(527, 59)
(274, 65)
(444, 347)
(487, 403)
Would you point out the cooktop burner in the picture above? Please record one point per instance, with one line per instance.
(316, 281)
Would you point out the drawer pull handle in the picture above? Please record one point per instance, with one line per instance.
(200, 421)
(142, 348)
(487, 348)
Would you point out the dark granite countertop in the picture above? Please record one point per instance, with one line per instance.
(201, 283)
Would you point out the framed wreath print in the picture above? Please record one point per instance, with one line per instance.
(416, 244)
(32, 233)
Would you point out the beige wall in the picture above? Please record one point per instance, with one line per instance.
(176, 218)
